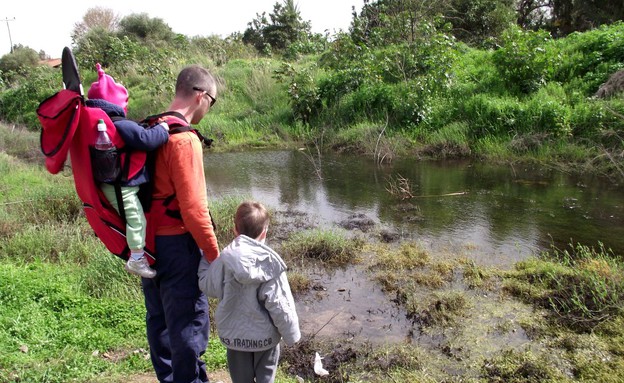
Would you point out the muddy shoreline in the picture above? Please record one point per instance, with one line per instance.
(347, 313)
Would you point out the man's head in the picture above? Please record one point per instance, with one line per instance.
(197, 88)
(252, 220)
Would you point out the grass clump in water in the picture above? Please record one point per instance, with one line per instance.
(440, 309)
(410, 256)
(476, 277)
(299, 282)
(411, 265)
(331, 247)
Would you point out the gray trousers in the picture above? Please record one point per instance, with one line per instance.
(250, 367)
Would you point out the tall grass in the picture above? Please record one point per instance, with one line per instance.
(581, 285)
(253, 107)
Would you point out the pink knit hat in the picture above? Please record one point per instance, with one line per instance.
(106, 88)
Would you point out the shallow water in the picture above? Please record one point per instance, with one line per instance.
(505, 214)
(494, 215)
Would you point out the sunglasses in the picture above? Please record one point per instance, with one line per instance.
(212, 99)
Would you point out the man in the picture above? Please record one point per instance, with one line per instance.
(177, 311)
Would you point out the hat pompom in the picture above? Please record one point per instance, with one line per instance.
(106, 88)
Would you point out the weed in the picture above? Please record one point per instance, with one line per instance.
(475, 276)
(222, 212)
(50, 243)
(399, 187)
(299, 282)
(410, 256)
(395, 357)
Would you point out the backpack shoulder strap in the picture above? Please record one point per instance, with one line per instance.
(177, 124)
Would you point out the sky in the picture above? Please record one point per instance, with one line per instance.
(47, 25)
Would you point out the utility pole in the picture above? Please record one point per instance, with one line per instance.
(9, 29)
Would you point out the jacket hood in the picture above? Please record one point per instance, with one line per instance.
(251, 261)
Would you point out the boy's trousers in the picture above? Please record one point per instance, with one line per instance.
(245, 366)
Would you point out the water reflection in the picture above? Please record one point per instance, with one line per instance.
(506, 214)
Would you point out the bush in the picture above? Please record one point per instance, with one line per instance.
(18, 63)
(589, 58)
(19, 103)
(523, 60)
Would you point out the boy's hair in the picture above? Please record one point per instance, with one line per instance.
(251, 219)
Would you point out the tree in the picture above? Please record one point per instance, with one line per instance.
(393, 21)
(285, 28)
(576, 15)
(95, 18)
(21, 58)
(253, 33)
(534, 14)
(563, 17)
(140, 27)
(475, 21)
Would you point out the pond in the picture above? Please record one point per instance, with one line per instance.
(502, 213)
(494, 215)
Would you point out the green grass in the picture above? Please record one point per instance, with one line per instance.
(253, 108)
(50, 326)
(582, 286)
(330, 247)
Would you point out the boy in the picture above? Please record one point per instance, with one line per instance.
(112, 98)
(256, 307)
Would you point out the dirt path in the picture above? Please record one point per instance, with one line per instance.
(216, 376)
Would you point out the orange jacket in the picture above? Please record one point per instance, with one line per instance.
(180, 172)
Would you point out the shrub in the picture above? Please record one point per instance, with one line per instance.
(18, 63)
(523, 60)
(19, 103)
(304, 94)
(589, 58)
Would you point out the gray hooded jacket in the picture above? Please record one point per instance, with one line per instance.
(256, 307)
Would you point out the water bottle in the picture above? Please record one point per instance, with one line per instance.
(105, 160)
(103, 141)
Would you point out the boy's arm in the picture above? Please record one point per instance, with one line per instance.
(211, 278)
(139, 138)
(280, 304)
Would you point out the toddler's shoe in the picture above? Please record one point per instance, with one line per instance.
(140, 267)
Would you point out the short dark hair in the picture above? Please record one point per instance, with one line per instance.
(194, 76)
(251, 219)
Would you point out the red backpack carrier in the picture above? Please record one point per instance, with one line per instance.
(69, 127)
